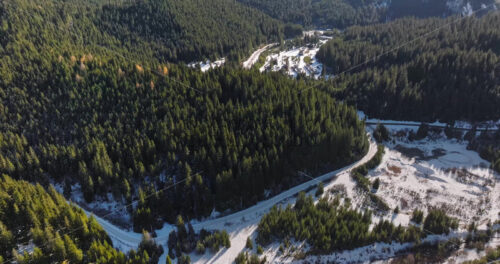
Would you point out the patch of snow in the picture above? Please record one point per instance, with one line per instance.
(465, 254)
(459, 181)
(26, 248)
(366, 254)
(455, 5)
(214, 214)
(207, 65)
(107, 206)
(467, 10)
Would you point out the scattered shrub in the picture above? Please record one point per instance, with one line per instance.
(417, 216)
(437, 222)
(381, 133)
(249, 244)
(320, 189)
(376, 184)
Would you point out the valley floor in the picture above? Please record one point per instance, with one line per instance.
(431, 173)
(239, 225)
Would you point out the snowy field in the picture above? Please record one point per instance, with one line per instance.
(207, 65)
(438, 173)
(425, 174)
(298, 60)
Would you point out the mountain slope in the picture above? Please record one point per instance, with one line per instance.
(452, 74)
(320, 13)
(40, 226)
(166, 30)
(345, 13)
(191, 29)
(438, 8)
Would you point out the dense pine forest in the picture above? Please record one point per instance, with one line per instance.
(452, 74)
(77, 113)
(320, 13)
(165, 30)
(437, 8)
(95, 97)
(191, 29)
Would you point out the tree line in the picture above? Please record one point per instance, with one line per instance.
(330, 225)
(487, 144)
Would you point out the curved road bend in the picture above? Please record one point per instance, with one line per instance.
(132, 240)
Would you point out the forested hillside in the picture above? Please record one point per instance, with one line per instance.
(452, 74)
(39, 226)
(120, 121)
(321, 13)
(345, 13)
(190, 29)
(436, 8)
(165, 30)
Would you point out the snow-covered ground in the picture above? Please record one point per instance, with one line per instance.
(438, 173)
(298, 60)
(207, 65)
(292, 61)
(431, 173)
(101, 205)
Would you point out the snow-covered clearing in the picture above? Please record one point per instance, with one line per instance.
(438, 173)
(431, 173)
(207, 65)
(298, 60)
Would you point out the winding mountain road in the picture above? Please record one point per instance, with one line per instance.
(417, 124)
(255, 56)
(240, 225)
